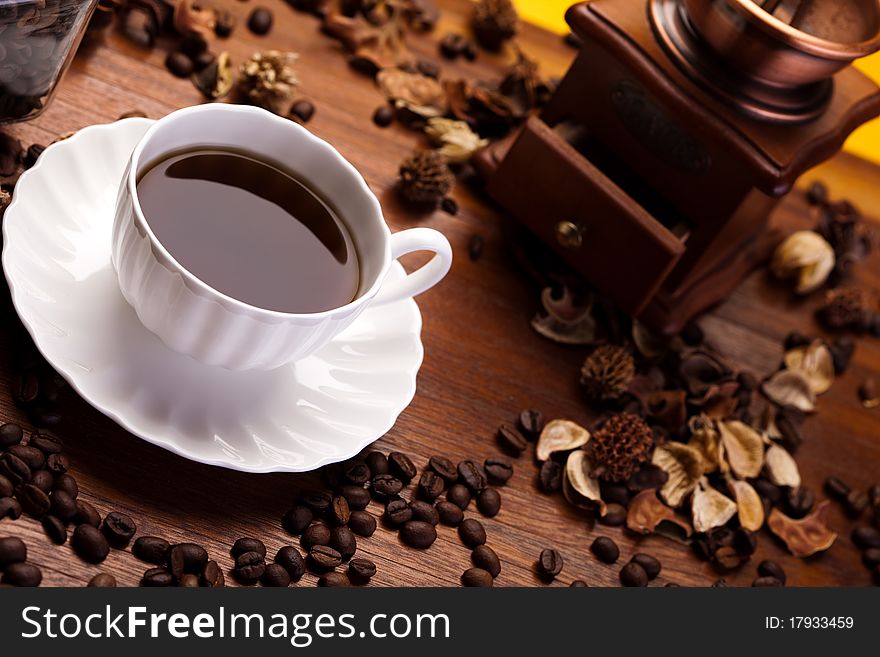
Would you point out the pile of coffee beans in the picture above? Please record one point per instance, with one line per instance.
(856, 503)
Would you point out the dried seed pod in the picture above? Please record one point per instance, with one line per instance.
(494, 22)
(790, 388)
(684, 466)
(607, 372)
(420, 94)
(706, 439)
(646, 512)
(804, 257)
(565, 321)
(750, 508)
(425, 178)
(455, 139)
(743, 448)
(710, 508)
(781, 467)
(560, 436)
(577, 479)
(815, 363)
(215, 80)
(621, 445)
(804, 537)
(268, 80)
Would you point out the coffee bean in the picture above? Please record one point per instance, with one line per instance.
(22, 574)
(614, 493)
(799, 502)
(550, 476)
(46, 443)
(297, 519)
(318, 501)
(871, 557)
(489, 502)
(531, 423)
(386, 486)
(650, 564)
(304, 110)
(511, 440)
(632, 574)
(12, 550)
(472, 476)
(334, 579)
(32, 457)
(477, 577)
(728, 558)
(55, 529)
(459, 495)
(549, 563)
(767, 582)
(57, 463)
(188, 581)
(866, 537)
(224, 23)
(768, 490)
(449, 514)
(289, 558)
(14, 469)
(179, 64)
(476, 244)
(855, 503)
(605, 549)
(193, 45)
(317, 534)
(874, 497)
(275, 576)
(9, 508)
(6, 487)
(358, 497)
(401, 466)
(343, 541)
(203, 60)
(356, 472)
(769, 568)
(398, 512)
(424, 512)
(212, 576)
(484, 557)
(418, 534)
(33, 501)
(10, 434)
(243, 545)
(836, 488)
(25, 388)
(339, 511)
(249, 567)
(453, 45)
(157, 577)
(362, 523)
(361, 570)
(324, 557)
(102, 581)
(89, 544)
(498, 469)
(383, 116)
(377, 462)
(86, 514)
(119, 529)
(443, 468)
(187, 558)
(615, 515)
(431, 485)
(260, 21)
(472, 533)
(151, 549)
(42, 479)
(66, 483)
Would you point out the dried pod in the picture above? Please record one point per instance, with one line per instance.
(456, 141)
(494, 22)
(743, 448)
(577, 479)
(607, 372)
(420, 94)
(649, 345)
(646, 512)
(425, 178)
(710, 508)
(706, 439)
(806, 536)
(749, 506)
(560, 436)
(790, 388)
(844, 307)
(268, 79)
(868, 394)
(684, 466)
(701, 371)
(804, 257)
(215, 80)
(667, 407)
(565, 321)
(620, 446)
(815, 363)
(782, 469)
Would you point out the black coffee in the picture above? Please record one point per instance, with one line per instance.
(250, 230)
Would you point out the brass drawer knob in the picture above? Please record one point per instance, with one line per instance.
(570, 234)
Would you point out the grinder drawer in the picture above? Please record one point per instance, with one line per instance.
(592, 223)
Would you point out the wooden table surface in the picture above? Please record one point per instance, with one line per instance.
(483, 363)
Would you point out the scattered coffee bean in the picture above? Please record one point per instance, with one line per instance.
(46, 443)
(57, 464)
(7, 489)
(498, 469)
(444, 468)
(224, 23)
(324, 557)
(398, 511)
(317, 534)
(472, 532)
(472, 476)
(431, 485)
(188, 581)
(386, 486)
(728, 558)
(744, 541)
(401, 466)
(855, 503)
(650, 564)
(418, 534)
(119, 529)
(383, 116)
(836, 488)
(450, 514)
(55, 529)
(9, 508)
(766, 582)
(377, 462)
(203, 60)
(157, 577)
(86, 514)
(89, 544)
(187, 558)
(769, 568)
(276, 576)
(260, 21)
(297, 519)
(318, 501)
(339, 511)
(550, 476)
(871, 557)
(32, 457)
(10, 434)
(33, 501)
(424, 512)
(25, 387)
(578, 584)
(799, 502)
(179, 64)
(66, 483)
(475, 247)
(511, 440)
(303, 110)
(633, 574)
(243, 545)
(12, 550)
(362, 523)
(817, 193)
(453, 46)
(484, 557)
(615, 515)
(151, 549)
(866, 537)
(249, 567)
(334, 579)
(477, 577)
(605, 549)
(358, 497)
(357, 472)
(549, 563)
(102, 581)
(450, 206)
(361, 570)
(459, 495)
(14, 469)
(531, 423)
(489, 502)
(22, 574)
(289, 558)
(343, 541)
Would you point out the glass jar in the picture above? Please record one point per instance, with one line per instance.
(38, 39)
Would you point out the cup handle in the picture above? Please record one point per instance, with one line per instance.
(424, 278)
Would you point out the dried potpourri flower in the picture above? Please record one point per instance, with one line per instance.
(485, 110)
(749, 507)
(268, 80)
(790, 388)
(846, 308)
(607, 372)
(425, 178)
(815, 363)
(804, 257)
(841, 224)
(579, 486)
(710, 508)
(567, 320)
(560, 436)
(804, 537)
(684, 466)
(216, 79)
(620, 446)
(646, 513)
(420, 94)
(374, 46)
(494, 22)
(456, 141)
(524, 86)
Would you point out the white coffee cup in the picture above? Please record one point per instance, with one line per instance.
(193, 318)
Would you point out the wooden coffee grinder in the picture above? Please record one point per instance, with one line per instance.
(680, 125)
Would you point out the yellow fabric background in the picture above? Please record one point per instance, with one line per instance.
(864, 142)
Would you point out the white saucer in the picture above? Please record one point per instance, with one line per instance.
(56, 255)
